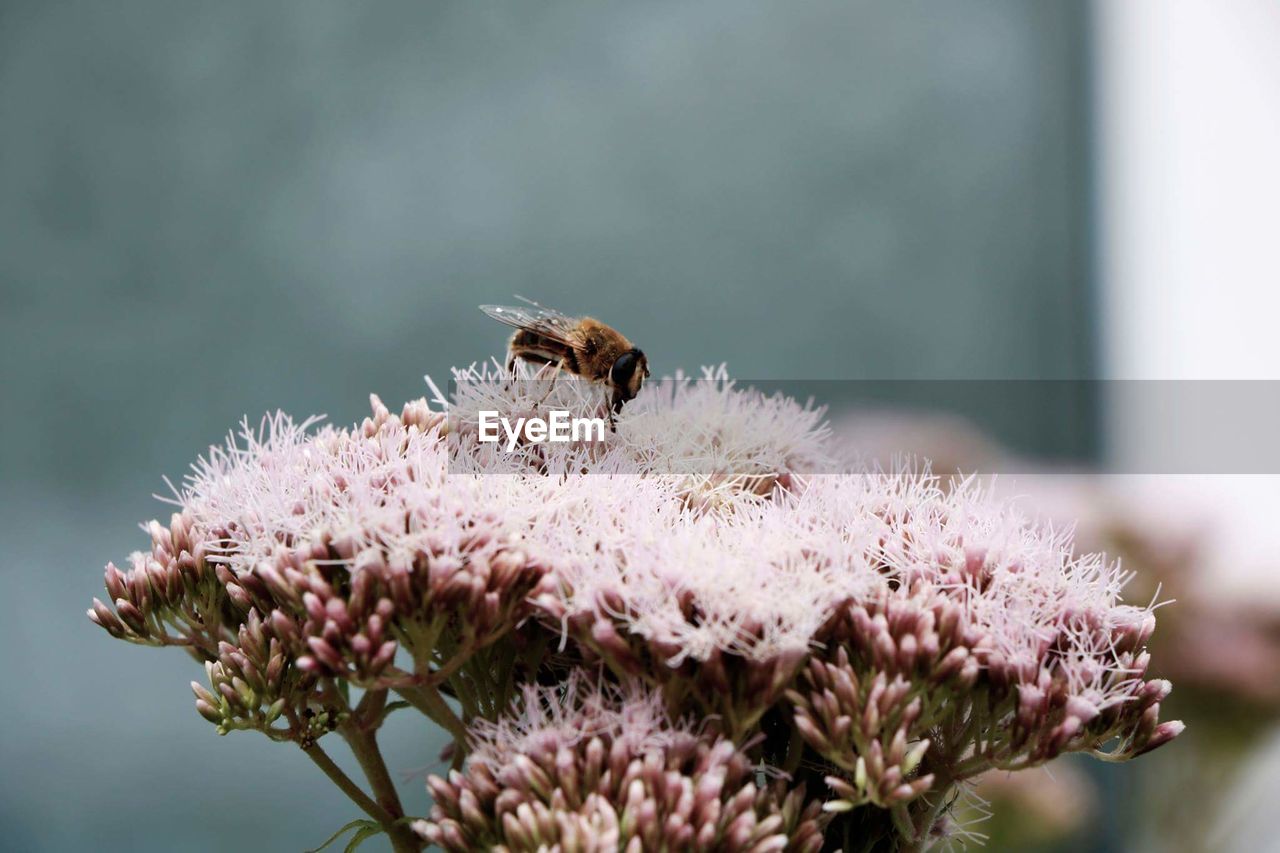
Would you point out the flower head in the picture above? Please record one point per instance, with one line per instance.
(593, 767)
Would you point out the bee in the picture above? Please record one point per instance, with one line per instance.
(582, 346)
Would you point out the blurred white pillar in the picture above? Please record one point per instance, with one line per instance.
(1189, 120)
(1188, 95)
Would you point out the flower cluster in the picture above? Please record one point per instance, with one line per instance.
(590, 768)
(338, 547)
(868, 640)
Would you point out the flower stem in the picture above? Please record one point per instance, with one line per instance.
(927, 817)
(364, 745)
(348, 787)
(429, 701)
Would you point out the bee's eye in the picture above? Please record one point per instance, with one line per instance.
(622, 370)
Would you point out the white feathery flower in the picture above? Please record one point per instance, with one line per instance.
(666, 517)
(567, 714)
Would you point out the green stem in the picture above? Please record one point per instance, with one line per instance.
(795, 751)
(927, 817)
(343, 781)
(364, 745)
(429, 701)
(464, 690)
(369, 711)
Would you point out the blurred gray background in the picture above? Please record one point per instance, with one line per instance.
(212, 210)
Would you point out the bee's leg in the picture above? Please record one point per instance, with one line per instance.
(551, 383)
(615, 406)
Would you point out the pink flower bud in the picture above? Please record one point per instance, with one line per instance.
(1163, 733)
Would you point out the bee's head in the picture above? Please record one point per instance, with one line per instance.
(628, 373)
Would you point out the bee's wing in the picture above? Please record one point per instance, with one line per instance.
(536, 319)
